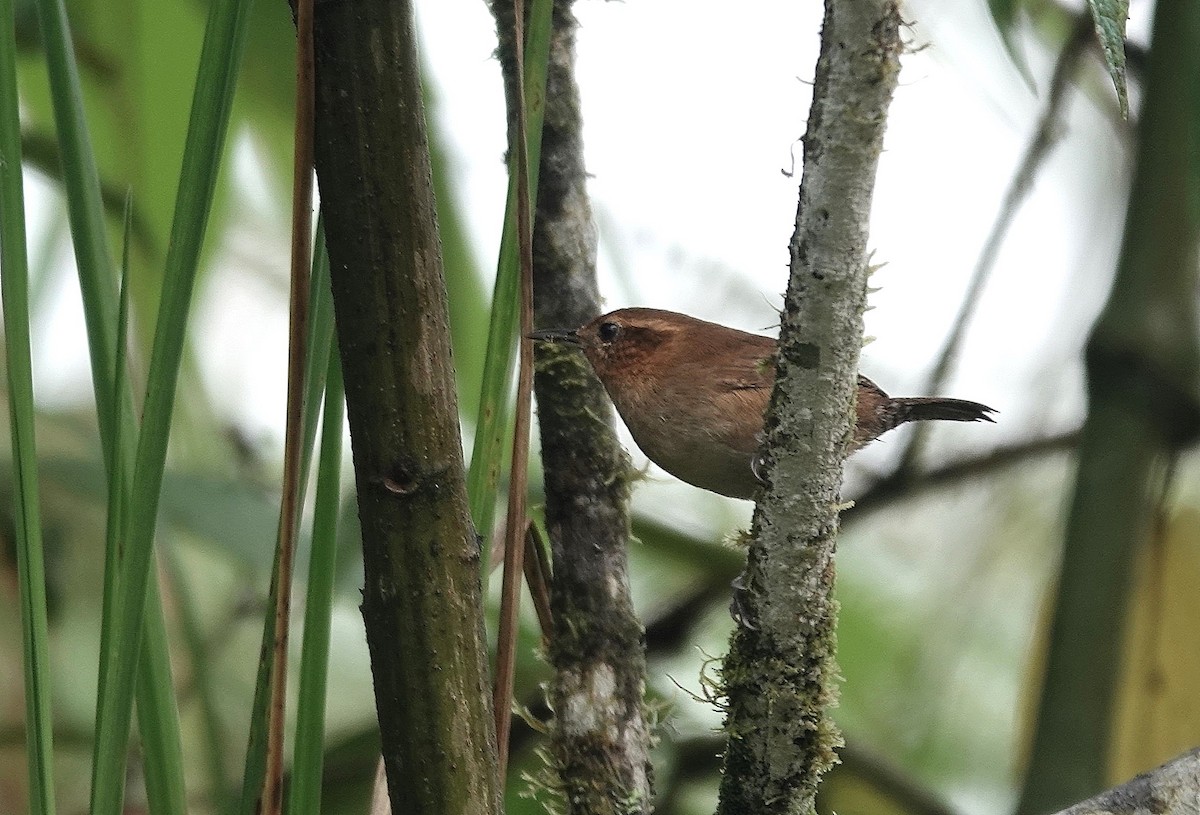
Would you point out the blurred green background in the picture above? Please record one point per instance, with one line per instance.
(943, 581)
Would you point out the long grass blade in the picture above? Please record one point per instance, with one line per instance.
(494, 412)
(85, 210)
(159, 726)
(305, 795)
(158, 714)
(219, 62)
(514, 530)
(320, 338)
(14, 290)
(202, 670)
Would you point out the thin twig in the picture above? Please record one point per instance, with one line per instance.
(514, 549)
(272, 795)
(903, 484)
(894, 782)
(537, 577)
(1044, 138)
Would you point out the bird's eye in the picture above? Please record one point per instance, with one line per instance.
(609, 331)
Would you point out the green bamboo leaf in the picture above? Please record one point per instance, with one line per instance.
(305, 794)
(159, 725)
(219, 62)
(158, 713)
(1110, 17)
(320, 339)
(202, 675)
(85, 209)
(494, 410)
(31, 572)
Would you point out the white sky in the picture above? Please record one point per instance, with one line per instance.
(695, 215)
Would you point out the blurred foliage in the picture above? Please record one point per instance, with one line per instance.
(942, 594)
(1109, 16)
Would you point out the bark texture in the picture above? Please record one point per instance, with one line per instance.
(780, 672)
(421, 600)
(600, 739)
(1172, 789)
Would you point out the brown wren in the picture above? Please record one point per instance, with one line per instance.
(694, 394)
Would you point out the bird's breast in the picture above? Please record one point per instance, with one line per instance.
(705, 441)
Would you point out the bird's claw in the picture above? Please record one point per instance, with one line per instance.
(737, 603)
(756, 467)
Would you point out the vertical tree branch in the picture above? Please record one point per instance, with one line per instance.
(780, 671)
(600, 737)
(421, 600)
(1142, 360)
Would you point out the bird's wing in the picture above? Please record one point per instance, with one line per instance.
(735, 375)
(743, 391)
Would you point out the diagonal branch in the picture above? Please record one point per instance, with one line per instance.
(1044, 138)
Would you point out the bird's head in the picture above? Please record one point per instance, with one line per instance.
(625, 342)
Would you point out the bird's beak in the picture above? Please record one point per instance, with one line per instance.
(556, 335)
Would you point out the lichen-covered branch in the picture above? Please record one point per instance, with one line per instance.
(421, 599)
(780, 673)
(600, 739)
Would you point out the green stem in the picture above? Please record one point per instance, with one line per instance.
(305, 797)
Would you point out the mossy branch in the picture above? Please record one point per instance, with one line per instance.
(600, 738)
(780, 672)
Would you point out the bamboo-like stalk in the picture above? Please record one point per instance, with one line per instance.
(515, 521)
(421, 599)
(1143, 380)
(292, 486)
(600, 739)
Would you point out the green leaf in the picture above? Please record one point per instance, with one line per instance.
(305, 794)
(219, 62)
(320, 340)
(14, 282)
(1110, 17)
(489, 449)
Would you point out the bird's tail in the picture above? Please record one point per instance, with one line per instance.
(923, 408)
